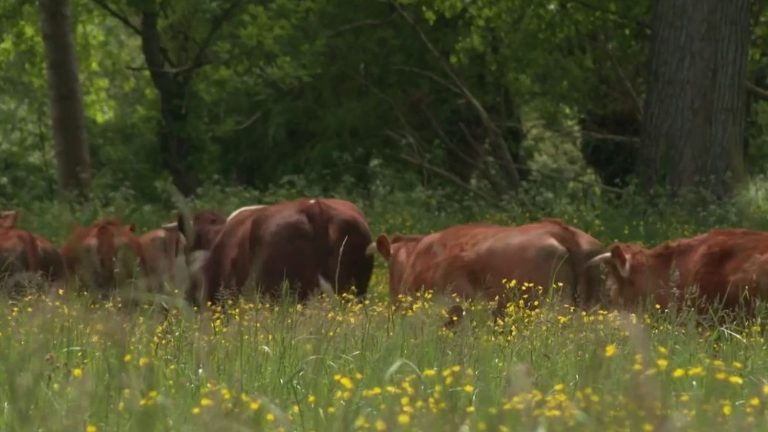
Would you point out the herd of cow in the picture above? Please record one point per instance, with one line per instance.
(311, 245)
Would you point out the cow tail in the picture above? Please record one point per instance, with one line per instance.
(31, 251)
(319, 219)
(105, 250)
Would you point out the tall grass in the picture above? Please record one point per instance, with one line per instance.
(67, 363)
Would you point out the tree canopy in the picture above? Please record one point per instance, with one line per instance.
(481, 96)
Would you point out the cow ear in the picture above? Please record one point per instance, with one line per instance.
(384, 246)
(8, 218)
(132, 227)
(622, 259)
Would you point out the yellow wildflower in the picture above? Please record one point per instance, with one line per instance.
(77, 372)
(346, 382)
(678, 373)
(662, 363)
(403, 419)
(610, 350)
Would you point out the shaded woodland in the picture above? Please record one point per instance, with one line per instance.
(479, 97)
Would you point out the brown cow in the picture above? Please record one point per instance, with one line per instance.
(205, 227)
(23, 252)
(8, 219)
(307, 243)
(472, 261)
(726, 267)
(162, 248)
(104, 254)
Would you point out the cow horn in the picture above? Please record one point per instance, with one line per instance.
(171, 226)
(371, 249)
(600, 259)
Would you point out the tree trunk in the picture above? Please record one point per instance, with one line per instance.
(693, 127)
(67, 117)
(172, 86)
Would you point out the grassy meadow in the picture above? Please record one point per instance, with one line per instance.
(71, 364)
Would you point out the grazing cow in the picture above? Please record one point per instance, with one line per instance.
(8, 219)
(307, 243)
(472, 261)
(244, 210)
(162, 248)
(104, 254)
(23, 252)
(726, 267)
(205, 227)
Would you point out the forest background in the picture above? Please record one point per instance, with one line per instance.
(606, 113)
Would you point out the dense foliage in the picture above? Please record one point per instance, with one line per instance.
(473, 95)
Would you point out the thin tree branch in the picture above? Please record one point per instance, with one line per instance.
(133, 27)
(216, 25)
(643, 25)
(117, 15)
(358, 24)
(430, 75)
(625, 81)
(609, 137)
(392, 103)
(248, 122)
(450, 177)
(756, 91)
(555, 176)
(496, 137)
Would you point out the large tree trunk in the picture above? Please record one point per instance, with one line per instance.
(172, 87)
(67, 116)
(695, 107)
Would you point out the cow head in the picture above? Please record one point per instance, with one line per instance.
(201, 229)
(635, 273)
(397, 252)
(8, 219)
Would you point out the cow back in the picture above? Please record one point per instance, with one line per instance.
(103, 255)
(296, 244)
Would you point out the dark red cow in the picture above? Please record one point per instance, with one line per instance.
(205, 227)
(23, 252)
(307, 243)
(472, 261)
(725, 267)
(104, 254)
